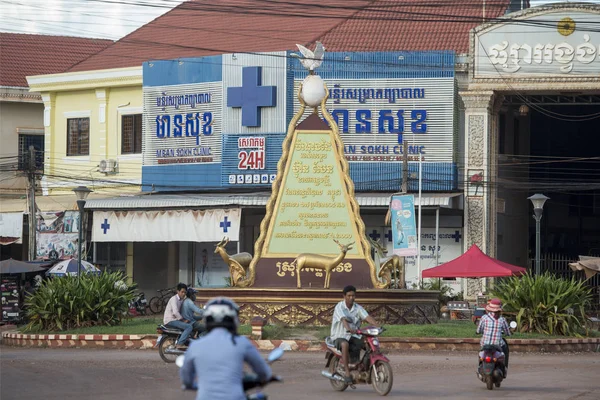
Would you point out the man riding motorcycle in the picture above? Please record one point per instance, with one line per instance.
(347, 316)
(493, 325)
(216, 361)
(191, 312)
(173, 318)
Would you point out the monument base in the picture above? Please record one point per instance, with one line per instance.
(314, 307)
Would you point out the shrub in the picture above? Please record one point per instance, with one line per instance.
(545, 303)
(446, 292)
(64, 303)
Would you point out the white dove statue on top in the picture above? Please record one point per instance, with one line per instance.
(313, 87)
(311, 60)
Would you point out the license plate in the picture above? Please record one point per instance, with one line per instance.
(158, 340)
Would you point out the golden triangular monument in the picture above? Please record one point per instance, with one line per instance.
(312, 215)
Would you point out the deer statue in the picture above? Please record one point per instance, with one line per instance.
(317, 261)
(389, 267)
(238, 263)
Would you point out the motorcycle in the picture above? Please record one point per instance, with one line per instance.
(373, 368)
(139, 305)
(492, 369)
(167, 340)
(249, 381)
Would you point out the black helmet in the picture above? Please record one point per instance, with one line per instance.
(191, 294)
(221, 312)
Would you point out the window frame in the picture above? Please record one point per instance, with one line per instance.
(134, 116)
(79, 153)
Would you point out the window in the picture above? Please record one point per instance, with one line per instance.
(131, 134)
(78, 137)
(37, 141)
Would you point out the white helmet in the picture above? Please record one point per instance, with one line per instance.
(221, 312)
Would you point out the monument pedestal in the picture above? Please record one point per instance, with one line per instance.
(314, 307)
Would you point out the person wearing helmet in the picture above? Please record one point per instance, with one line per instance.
(216, 360)
(191, 312)
(493, 325)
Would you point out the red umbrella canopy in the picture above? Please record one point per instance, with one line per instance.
(473, 264)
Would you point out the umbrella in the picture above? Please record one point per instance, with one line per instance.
(69, 267)
(473, 264)
(590, 265)
(12, 266)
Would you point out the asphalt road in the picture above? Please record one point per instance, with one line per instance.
(138, 374)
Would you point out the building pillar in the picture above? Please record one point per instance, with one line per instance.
(129, 262)
(172, 264)
(480, 175)
(49, 99)
(102, 138)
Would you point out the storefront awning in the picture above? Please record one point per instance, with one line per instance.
(165, 201)
(166, 225)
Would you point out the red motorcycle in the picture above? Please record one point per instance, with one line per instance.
(372, 368)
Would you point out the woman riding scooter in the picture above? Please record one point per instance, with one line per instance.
(493, 325)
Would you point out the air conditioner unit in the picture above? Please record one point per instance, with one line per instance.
(108, 166)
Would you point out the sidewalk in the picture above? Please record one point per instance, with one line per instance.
(13, 338)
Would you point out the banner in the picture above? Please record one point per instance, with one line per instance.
(11, 228)
(57, 235)
(166, 225)
(404, 231)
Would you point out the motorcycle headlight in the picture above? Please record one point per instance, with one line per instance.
(375, 342)
(373, 331)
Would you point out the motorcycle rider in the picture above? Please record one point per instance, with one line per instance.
(347, 316)
(173, 317)
(493, 325)
(216, 360)
(191, 312)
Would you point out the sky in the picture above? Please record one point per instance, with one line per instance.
(107, 19)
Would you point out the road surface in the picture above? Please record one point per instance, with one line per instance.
(64, 374)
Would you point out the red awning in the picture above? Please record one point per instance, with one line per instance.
(473, 264)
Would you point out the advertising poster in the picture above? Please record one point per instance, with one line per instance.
(10, 299)
(404, 231)
(57, 235)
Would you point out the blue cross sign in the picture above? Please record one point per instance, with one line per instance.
(225, 224)
(105, 226)
(389, 235)
(457, 236)
(374, 235)
(251, 96)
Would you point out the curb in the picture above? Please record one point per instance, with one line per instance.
(144, 342)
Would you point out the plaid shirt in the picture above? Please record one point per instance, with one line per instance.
(492, 329)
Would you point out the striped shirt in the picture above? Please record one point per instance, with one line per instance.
(492, 329)
(356, 314)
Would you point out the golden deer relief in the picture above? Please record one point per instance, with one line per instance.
(310, 261)
(238, 263)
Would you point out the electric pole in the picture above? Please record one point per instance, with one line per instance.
(31, 167)
(404, 188)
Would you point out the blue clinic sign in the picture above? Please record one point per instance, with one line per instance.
(220, 121)
(404, 231)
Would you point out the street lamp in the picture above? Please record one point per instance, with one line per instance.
(538, 201)
(81, 192)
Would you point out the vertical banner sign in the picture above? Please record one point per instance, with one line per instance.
(404, 231)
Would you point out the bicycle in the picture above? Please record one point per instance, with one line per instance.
(158, 303)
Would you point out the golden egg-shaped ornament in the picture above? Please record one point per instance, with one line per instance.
(313, 90)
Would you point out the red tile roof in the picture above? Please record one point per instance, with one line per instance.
(200, 28)
(24, 55)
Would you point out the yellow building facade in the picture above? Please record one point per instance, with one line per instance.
(93, 130)
(92, 136)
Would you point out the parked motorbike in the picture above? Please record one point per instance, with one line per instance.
(139, 305)
(373, 368)
(167, 341)
(250, 381)
(492, 368)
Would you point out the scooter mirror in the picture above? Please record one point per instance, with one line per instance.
(179, 361)
(513, 324)
(275, 355)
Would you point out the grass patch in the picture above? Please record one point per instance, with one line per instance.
(448, 329)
